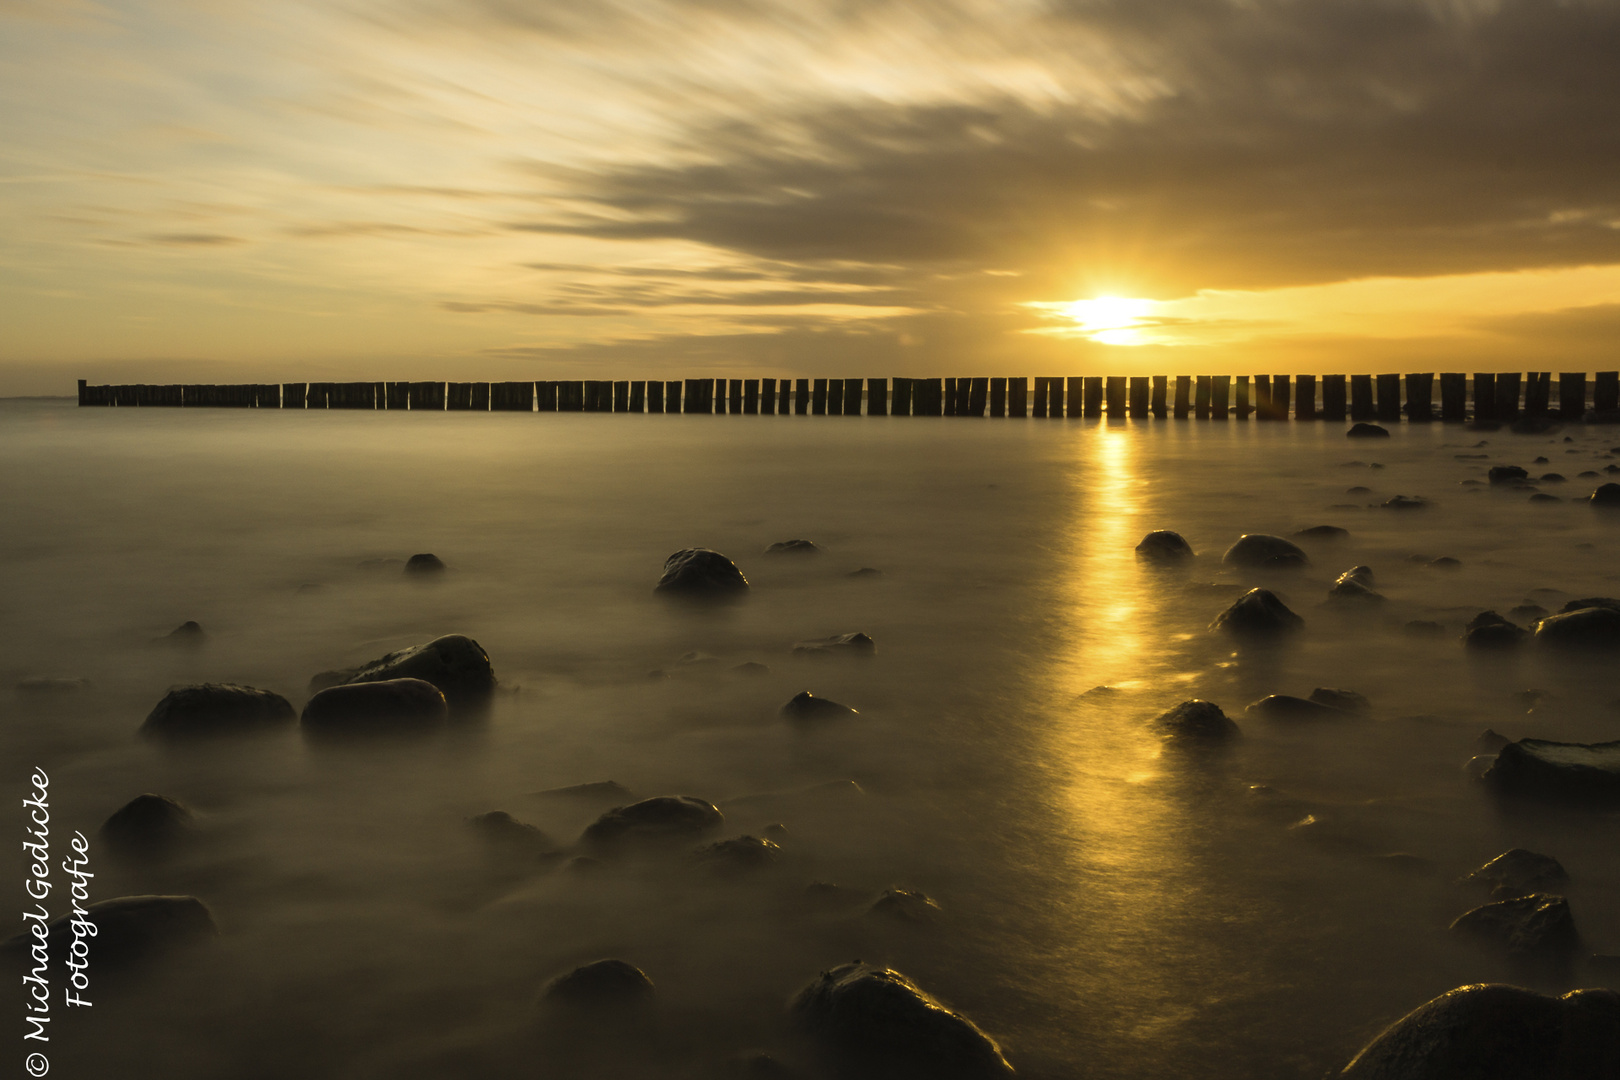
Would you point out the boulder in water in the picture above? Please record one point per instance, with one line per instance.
(806, 706)
(1586, 629)
(1196, 720)
(1367, 431)
(1607, 496)
(1498, 1032)
(131, 929)
(53, 687)
(1322, 532)
(871, 1022)
(506, 834)
(1283, 707)
(661, 817)
(389, 707)
(739, 854)
(146, 825)
(1581, 772)
(1348, 700)
(456, 664)
(1489, 632)
(1406, 502)
(210, 709)
(856, 644)
(424, 565)
(794, 547)
(188, 635)
(602, 984)
(1518, 873)
(906, 905)
(1354, 584)
(1164, 546)
(1264, 551)
(1537, 925)
(700, 572)
(1507, 474)
(1258, 614)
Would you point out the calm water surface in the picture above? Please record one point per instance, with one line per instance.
(1108, 909)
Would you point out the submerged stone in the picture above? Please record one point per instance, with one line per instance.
(188, 634)
(807, 706)
(210, 709)
(1488, 631)
(701, 572)
(1519, 872)
(506, 833)
(1196, 720)
(1355, 584)
(872, 1022)
(793, 547)
(1284, 707)
(1507, 474)
(1263, 550)
(1498, 1032)
(1406, 502)
(456, 664)
(602, 984)
(1164, 546)
(1537, 925)
(425, 564)
(1367, 431)
(146, 825)
(1322, 532)
(131, 929)
(1580, 772)
(392, 706)
(906, 905)
(661, 817)
(1348, 700)
(739, 854)
(1587, 629)
(1258, 614)
(1606, 496)
(856, 644)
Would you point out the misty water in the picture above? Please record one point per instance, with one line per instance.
(1107, 907)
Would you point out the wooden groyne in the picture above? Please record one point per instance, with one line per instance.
(1498, 396)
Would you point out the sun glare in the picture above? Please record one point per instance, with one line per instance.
(1111, 320)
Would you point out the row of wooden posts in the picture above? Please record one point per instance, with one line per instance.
(1485, 396)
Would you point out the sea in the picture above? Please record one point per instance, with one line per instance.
(1101, 904)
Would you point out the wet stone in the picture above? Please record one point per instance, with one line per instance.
(856, 644)
(1607, 495)
(456, 664)
(1355, 584)
(1489, 632)
(1444, 562)
(793, 547)
(392, 706)
(506, 834)
(1347, 700)
(425, 564)
(188, 634)
(211, 709)
(602, 984)
(661, 817)
(699, 572)
(1164, 546)
(1543, 497)
(1258, 614)
(807, 706)
(1283, 707)
(1506, 474)
(1406, 502)
(1196, 720)
(1260, 550)
(1498, 1032)
(1573, 772)
(1322, 532)
(1528, 613)
(1367, 431)
(1519, 873)
(133, 929)
(739, 854)
(1535, 925)
(1593, 629)
(906, 905)
(871, 1022)
(146, 825)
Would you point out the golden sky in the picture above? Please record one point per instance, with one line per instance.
(466, 189)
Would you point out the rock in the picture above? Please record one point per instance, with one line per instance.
(130, 929)
(1322, 532)
(1587, 772)
(1553, 478)
(603, 984)
(1498, 1032)
(856, 644)
(1196, 720)
(1164, 546)
(1423, 628)
(1607, 495)
(1261, 550)
(1491, 741)
(661, 817)
(1406, 502)
(1488, 632)
(425, 564)
(1258, 614)
(738, 854)
(1591, 602)
(806, 706)
(1518, 873)
(699, 572)
(457, 665)
(1355, 584)
(1589, 629)
(1283, 707)
(1367, 431)
(1543, 497)
(1506, 474)
(906, 905)
(43, 687)
(208, 709)
(865, 572)
(606, 790)
(146, 825)
(1359, 489)
(389, 707)
(506, 833)
(1348, 700)
(188, 635)
(1528, 613)
(793, 547)
(1538, 925)
(873, 1022)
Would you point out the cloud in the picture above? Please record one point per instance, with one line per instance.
(194, 240)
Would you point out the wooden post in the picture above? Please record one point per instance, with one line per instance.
(81, 393)
(1018, 397)
(998, 397)
(1091, 396)
(1507, 395)
(1074, 395)
(877, 397)
(1420, 397)
(1606, 391)
(818, 398)
(1281, 391)
(1139, 397)
(1453, 396)
(767, 397)
(672, 396)
(1572, 394)
(1183, 404)
(690, 399)
(1361, 398)
(621, 395)
(750, 399)
(978, 396)
(1538, 393)
(1054, 397)
(1333, 398)
(292, 395)
(652, 394)
(926, 398)
(901, 405)
(734, 396)
(457, 396)
(1160, 405)
(1116, 397)
(1243, 406)
(852, 397)
(1262, 397)
(1389, 397)
(1305, 397)
(835, 397)
(1484, 395)
(547, 395)
(1220, 397)
(1202, 403)
(1040, 396)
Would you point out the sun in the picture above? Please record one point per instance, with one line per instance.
(1111, 320)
